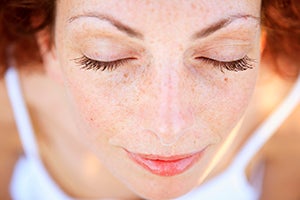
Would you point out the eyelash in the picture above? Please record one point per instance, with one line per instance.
(90, 64)
(237, 65)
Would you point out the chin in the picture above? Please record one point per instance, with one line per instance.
(162, 194)
(163, 188)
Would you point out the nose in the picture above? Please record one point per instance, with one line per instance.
(170, 105)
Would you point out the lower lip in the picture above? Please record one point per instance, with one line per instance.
(167, 167)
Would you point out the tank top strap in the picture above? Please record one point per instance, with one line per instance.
(21, 114)
(263, 133)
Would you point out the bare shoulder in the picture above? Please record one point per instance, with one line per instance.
(10, 148)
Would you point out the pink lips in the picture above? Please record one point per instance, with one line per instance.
(165, 166)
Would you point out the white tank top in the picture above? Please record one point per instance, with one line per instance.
(31, 181)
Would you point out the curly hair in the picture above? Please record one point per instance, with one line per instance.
(21, 19)
(281, 21)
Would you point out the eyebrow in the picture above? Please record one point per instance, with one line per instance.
(222, 23)
(119, 25)
(210, 29)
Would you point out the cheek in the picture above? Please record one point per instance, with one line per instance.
(100, 105)
(232, 101)
(97, 106)
(223, 100)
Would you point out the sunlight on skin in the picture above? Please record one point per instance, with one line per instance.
(223, 150)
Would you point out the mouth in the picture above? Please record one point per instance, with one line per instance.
(165, 166)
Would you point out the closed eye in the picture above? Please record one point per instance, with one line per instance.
(236, 65)
(90, 64)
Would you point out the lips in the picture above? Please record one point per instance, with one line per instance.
(165, 166)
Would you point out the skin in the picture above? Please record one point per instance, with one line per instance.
(167, 100)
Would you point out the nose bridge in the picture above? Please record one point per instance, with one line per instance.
(172, 113)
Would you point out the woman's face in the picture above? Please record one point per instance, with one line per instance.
(157, 87)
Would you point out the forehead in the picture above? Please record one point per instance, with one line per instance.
(146, 13)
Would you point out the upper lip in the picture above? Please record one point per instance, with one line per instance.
(164, 158)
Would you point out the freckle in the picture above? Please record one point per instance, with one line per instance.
(125, 75)
(193, 6)
(226, 79)
(181, 48)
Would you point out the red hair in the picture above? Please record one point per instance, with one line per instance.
(281, 21)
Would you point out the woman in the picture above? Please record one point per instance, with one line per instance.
(145, 99)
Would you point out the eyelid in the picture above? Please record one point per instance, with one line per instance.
(91, 64)
(234, 65)
(245, 46)
(107, 53)
(226, 46)
(108, 58)
(222, 52)
(103, 40)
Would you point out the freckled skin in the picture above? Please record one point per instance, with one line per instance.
(162, 102)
